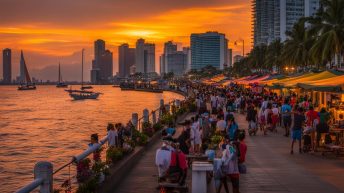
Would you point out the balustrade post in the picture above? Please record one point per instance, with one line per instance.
(199, 179)
(145, 116)
(135, 119)
(161, 107)
(153, 117)
(167, 107)
(44, 170)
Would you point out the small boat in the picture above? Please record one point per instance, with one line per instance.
(60, 83)
(83, 93)
(116, 85)
(86, 87)
(27, 84)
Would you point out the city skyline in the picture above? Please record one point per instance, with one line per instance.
(56, 38)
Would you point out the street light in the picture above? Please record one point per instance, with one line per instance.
(243, 46)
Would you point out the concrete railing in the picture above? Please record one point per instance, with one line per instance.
(43, 171)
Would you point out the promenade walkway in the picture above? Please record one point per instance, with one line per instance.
(144, 176)
(270, 169)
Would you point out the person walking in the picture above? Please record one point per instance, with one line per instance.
(299, 119)
(322, 127)
(286, 117)
(312, 120)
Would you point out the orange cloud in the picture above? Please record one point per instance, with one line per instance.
(176, 25)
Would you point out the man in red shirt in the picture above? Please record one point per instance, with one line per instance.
(178, 164)
(312, 118)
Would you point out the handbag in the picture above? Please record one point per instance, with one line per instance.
(242, 168)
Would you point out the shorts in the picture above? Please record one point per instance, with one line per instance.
(287, 121)
(234, 180)
(296, 135)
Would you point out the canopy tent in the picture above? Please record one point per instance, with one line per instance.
(280, 81)
(334, 84)
(215, 79)
(314, 77)
(293, 81)
(255, 80)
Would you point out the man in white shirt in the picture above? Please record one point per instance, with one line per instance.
(163, 159)
(221, 124)
(112, 135)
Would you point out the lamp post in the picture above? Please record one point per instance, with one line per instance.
(289, 69)
(243, 46)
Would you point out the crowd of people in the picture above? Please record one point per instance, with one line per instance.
(216, 108)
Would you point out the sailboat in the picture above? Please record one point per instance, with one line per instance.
(60, 83)
(26, 83)
(82, 93)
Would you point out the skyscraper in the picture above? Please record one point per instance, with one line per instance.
(7, 65)
(126, 59)
(273, 18)
(229, 57)
(208, 48)
(187, 52)
(169, 48)
(102, 65)
(176, 63)
(144, 56)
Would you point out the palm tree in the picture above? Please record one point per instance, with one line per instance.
(257, 57)
(297, 46)
(330, 31)
(274, 55)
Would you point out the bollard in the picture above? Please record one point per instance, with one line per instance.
(162, 103)
(167, 107)
(161, 107)
(199, 176)
(154, 117)
(177, 103)
(145, 116)
(134, 119)
(44, 170)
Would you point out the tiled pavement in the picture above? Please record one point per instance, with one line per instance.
(271, 169)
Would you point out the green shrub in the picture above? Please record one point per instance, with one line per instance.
(167, 119)
(114, 154)
(216, 139)
(157, 126)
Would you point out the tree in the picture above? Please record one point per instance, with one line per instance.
(274, 55)
(329, 28)
(257, 57)
(296, 47)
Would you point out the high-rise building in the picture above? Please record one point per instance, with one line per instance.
(172, 60)
(237, 58)
(208, 48)
(176, 63)
(126, 59)
(229, 57)
(144, 57)
(273, 18)
(7, 65)
(187, 52)
(169, 48)
(102, 65)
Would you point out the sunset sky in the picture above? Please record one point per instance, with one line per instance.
(55, 30)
